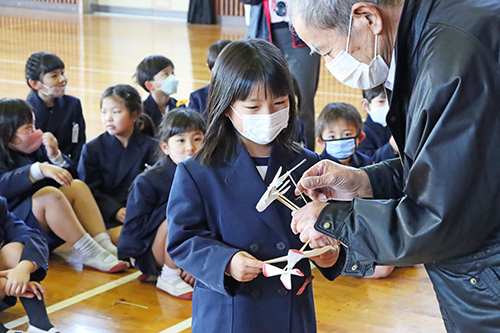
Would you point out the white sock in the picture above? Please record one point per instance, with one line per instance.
(88, 247)
(104, 240)
(168, 274)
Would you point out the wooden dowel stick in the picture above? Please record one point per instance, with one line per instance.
(288, 200)
(286, 204)
(294, 183)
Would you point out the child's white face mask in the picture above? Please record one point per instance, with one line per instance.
(54, 91)
(262, 128)
(169, 85)
(378, 114)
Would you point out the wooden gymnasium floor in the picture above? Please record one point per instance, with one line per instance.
(100, 51)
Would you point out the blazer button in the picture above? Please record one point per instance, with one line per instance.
(283, 291)
(281, 246)
(254, 247)
(256, 293)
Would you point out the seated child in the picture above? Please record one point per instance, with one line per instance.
(23, 263)
(378, 143)
(110, 162)
(198, 98)
(339, 129)
(156, 75)
(55, 111)
(144, 233)
(37, 181)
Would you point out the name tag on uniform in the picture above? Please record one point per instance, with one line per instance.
(75, 132)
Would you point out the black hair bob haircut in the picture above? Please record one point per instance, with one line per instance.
(39, 64)
(180, 120)
(214, 50)
(14, 113)
(242, 67)
(149, 67)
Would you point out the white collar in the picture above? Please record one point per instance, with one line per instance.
(389, 84)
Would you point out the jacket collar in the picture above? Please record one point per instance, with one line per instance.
(131, 154)
(411, 25)
(245, 181)
(50, 119)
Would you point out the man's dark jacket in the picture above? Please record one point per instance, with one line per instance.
(440, 203)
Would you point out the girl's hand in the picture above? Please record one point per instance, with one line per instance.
(18, 278)
(120, 215)
(34, 289)
(243, 267)
(50, 143)
(60, 175)
(327, 259)
(188, 278)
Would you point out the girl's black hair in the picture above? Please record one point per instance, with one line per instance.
(178, 121)
(133, 104)
(41, 63)
(14, 113)
(243, 66)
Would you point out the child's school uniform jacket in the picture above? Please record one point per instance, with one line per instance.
(146, 210)
(151, 108)
(109, 169)
(357, 160)
(18, 189)
(35, 248)
(64, 120)
(376, 143)
(211, 215)
(198, 100)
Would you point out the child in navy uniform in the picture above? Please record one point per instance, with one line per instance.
(55, 111)
(214, 229)
(24, 259)
(156, 75)
(110, 162)
(37, 181)
(198, 98)
(144, 233)
(379, 143)
(339, 129)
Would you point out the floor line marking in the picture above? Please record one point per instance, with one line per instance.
(183, 325)
(78, 298)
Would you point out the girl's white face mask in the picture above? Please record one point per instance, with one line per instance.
(355, 74)
(262, 128)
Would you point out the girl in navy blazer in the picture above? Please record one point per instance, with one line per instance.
(55, 111)
(215, 232)
(110, 162)
(24, 259)
(37, 181)
(144, 233)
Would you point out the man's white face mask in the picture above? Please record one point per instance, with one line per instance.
(355, 74)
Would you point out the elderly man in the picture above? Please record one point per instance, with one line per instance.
(439, 203)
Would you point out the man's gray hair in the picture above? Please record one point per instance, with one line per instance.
(328, 14)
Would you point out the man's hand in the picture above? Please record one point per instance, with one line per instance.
(303, 222)
(327, 259)
(327, 180)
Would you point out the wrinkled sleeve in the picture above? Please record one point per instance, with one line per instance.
(192, 243)
(448, 203)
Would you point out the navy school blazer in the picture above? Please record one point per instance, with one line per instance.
(35, 247)
(146, 209)
(376, 143)
(151, 108)
(15, 184)
(198, 100)
(358, 160)
(211, 215)
(110, 186)
(65, 116)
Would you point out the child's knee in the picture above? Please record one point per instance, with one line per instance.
(48, 194)
(79, 185)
